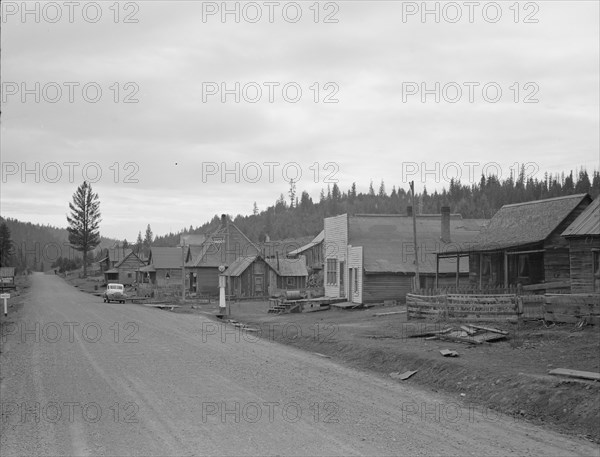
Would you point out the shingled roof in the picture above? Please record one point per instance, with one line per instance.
(215, 252)
(388, 246)
(161, 257)
(526, 223)
(588, 222)
(316, 240)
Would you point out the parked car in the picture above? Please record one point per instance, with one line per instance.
(114, 292)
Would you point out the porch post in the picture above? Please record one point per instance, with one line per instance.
(457, 269)
(480, 270)
(437, 270)
(505, 270)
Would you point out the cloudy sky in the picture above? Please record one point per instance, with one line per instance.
(177, 111)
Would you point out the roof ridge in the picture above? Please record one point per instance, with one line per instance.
(544, 200)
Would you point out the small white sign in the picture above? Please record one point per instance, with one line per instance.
(4, 296)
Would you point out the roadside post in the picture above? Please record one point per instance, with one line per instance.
(222, 302)
(5, 297)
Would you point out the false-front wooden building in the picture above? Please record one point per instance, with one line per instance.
(583, 236)
(371, 258)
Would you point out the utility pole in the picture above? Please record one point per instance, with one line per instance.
(182, 270)
(414, 217)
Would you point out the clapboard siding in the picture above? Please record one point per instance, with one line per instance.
(335, 247)
(380, 287)
(355, 262)
(207, 281)
(581, 257)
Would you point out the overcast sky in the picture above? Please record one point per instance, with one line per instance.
(350, 97)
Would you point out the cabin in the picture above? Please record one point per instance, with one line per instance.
(220, 249)
(125, 272)
(583, 236)
(164, 267)
(255, 276)
(312, 252)
(523, 246)
(7, 277)
(110, 257)
(371, 257)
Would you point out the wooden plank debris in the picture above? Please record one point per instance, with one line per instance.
(389, 314)
(448, 353)
(489, 329)
(592, 375)
(402, 376)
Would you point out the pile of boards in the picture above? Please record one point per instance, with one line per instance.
(472, 334)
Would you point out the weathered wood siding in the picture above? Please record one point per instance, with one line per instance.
(335, 247)
(380, 287)
(174, 277)
(582, 268)
(355, 262)
(207, 281)
(128, 268)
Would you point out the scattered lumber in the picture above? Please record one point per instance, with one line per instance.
(389, 314)
(402, 376)
(489, 329)
(592, 375)
(448, 353)
(430, 333)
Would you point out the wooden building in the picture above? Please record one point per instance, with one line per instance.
(523, 246)
(125, 272)
(110, 257)
(219, 250)
(583, 236)
(371, 258)
(312, 252)
(254, 276)
(163, 269)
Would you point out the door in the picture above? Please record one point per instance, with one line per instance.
(342, 288)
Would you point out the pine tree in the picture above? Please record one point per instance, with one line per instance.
(255, 209)
(292, 193)
(139, 243)
(84, 221)
(6, 246)
(125, 244)
(148, 237)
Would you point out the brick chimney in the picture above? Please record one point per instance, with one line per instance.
(223, 220)
(409, 211)
(445, 224)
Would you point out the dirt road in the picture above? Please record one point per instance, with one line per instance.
(82, 377)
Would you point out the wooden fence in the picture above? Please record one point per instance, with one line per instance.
(566, 308)
(466, 307)
(572, 308)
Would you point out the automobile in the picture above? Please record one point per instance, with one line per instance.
(114, 292)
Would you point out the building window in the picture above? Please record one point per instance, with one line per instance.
(290, 281)
(129, 275)
(524, 266)
(331, 271)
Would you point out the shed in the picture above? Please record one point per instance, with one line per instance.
(312, 252)
(583, 236)
(7, 277)
(124, 271)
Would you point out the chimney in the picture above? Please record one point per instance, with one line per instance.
(445, 224)
(223, 220)
(409, 211)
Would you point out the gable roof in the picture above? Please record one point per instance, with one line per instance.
(283, 248)
(388, 246)
(289, 267)
(315, 241)
(587, 223)
(282, 267)
(527, 223)
(117, 254)
(129, 255)
(161, 257)
(224, 246)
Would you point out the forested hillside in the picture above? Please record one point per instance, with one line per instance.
(293, 216)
